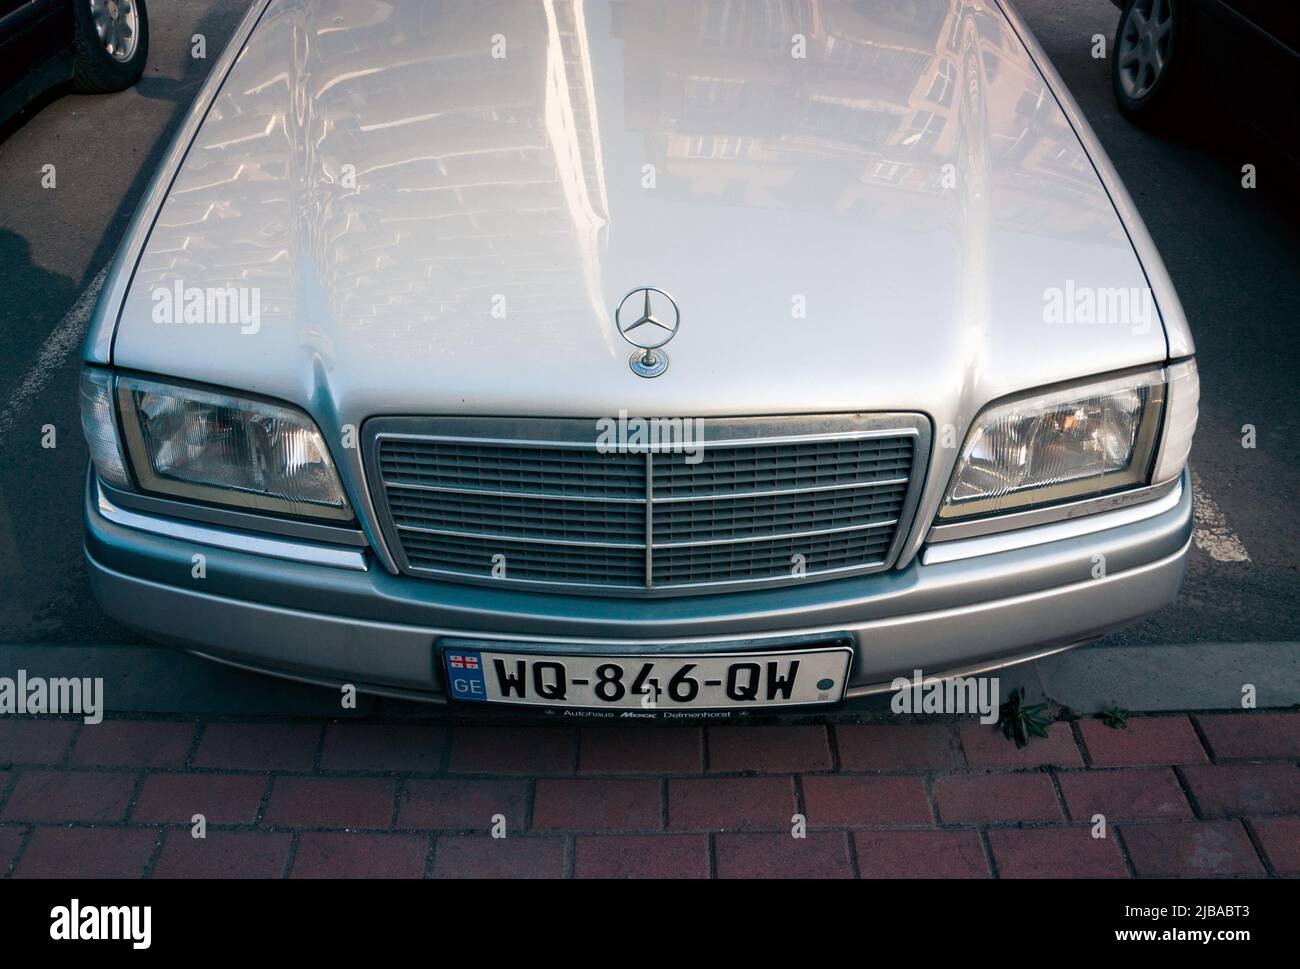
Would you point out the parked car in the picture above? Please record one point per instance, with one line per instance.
(99, 45)
(631, 359)
(1172, 55)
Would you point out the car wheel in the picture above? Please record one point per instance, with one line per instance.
(1146, 66)
(111, 44)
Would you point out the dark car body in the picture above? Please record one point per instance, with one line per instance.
(1246, 54)
(36, 50)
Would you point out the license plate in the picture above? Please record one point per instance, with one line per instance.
(713, 681)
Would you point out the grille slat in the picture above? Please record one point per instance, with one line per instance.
(562, 513)
(761, 560)
(774, 514)
(518, 517)
(612, 567)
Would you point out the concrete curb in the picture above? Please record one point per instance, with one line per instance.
(1189, 676)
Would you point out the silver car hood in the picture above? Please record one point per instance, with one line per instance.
(440, 206)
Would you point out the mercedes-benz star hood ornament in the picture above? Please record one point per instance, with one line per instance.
(653, 308)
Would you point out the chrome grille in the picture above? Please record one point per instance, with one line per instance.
(765, 500)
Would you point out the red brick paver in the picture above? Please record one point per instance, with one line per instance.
(1145, 741)
(476, 856)
(223, 854)
(87, 853)
(10, 839)
(768, 749)
(1235, 790)
(731, 803)
(986, 746)
(1259, 736)
(351, 854)
(48, 795)
(513, 750)
(126, 743)
(463, 804)
(258, 746)
(596, 804)
(642, 750)
(846, 801)
(382, 747)
(336, 802)
(821, 854)
(920, 854)
(1055, 853)
(35, 741)
(1124, 794)
(1191, 848)
(220, 798)
(1281, 840)
(633, 856)
(1181, 795)
(996, 798)
(865, 747)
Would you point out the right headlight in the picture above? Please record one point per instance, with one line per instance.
(1075, 442)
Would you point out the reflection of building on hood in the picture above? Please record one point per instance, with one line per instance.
(452, 155)
(873, 107)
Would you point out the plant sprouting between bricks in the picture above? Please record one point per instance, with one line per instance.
(1020, 722)
(1115, 716)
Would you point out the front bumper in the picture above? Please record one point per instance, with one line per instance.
(984, 606)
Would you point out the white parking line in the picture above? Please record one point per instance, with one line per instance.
(64, 339)
(1210, 529)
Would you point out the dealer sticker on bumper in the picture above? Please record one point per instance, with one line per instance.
(798, 677)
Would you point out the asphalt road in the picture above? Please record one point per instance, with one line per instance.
(1233, 254)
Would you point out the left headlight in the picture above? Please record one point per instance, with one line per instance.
(1066, 444)
(208, 446)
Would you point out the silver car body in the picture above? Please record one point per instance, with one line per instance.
(916, 183)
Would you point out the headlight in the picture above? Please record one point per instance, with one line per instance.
(1073, 443)
(208, 446)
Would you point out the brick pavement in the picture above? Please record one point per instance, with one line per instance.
(1182, 795)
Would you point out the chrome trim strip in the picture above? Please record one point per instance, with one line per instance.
(341, 558)
(526, 540)
(717, 496)
(952, 551)
(816, 489)
(649, 579)
(550, 585)
(1065, 511)
(593, 445)
(492, 493)
(779, 536)
(234, 519)
(649, 544)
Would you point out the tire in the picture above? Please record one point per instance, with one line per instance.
(96, 71)
(1147, 73)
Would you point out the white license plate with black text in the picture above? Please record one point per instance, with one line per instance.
(795, 677)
